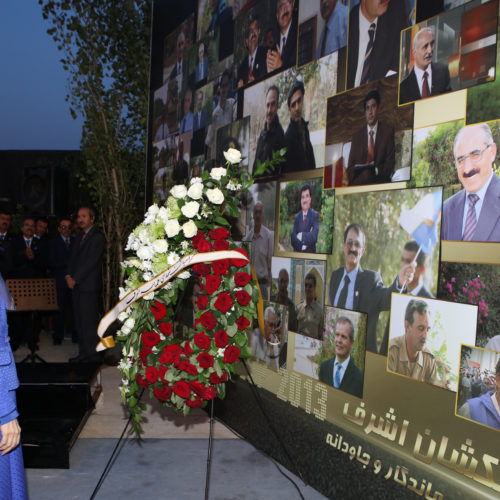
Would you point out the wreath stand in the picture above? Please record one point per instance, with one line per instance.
(33, 295)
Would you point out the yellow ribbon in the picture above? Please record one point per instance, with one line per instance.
(161, 280)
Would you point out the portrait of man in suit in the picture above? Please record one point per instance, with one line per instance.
(306, 224)
(372, 155)
(374, 31)
(358, 289)
(334, 34)
(340, 371)
(309, 313)
(180, 68)
(285, 53)
(272, 136)
(83, 276)
(200, 117)
(253, 66)
(427, 78)
(200, 72)
(473, 214)
(186, 124)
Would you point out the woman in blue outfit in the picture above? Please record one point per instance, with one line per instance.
(12, 480)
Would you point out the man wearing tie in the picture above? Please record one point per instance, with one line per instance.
(427, 78)
(334, 34)
(340, 371)
(5, 243)
(200, 117)
(306, 224)
(352, 287)
(84, 278)
(473, 214)
(285, 54)
(60, 248)
(202, 66)
(179, 70)
(372, 155)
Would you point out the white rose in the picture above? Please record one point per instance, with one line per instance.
(153, 209)
(172, 228)
(123, 316)
(215, 196)
(172, 258)
(163, 214)
(195, 180)
(195, 191)
(190, 209)
(189, 229)
(217, 173)
(178, 191)
(184, 275)
(232, 155)
(128, 325)
(160, 246)
(143, 235)
(149, 296)
(130, 241)
(145, 253)
(147, 276)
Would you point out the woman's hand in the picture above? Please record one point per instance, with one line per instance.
(11, 435)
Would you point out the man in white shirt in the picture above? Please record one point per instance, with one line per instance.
(285, 54)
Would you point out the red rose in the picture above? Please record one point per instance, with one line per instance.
(240, 262)
(161, 372)
(221, 338)
(221, 245)
(189, 368)
(221, 266)
(202, 269)
(242, 297)
(224, 302)
(162, 393)
(212, 283)
(197, 387)
(219, 233)
(141, 381)
(205, 360)
(173, 348)
(204, 246)
(159, 310)
(202, 341)
(187, 348)
(209, 393)
(151, 374)
(242, 323)
(144, 353)
(207, 320)
(231, 354)
(165, 328)
(181, 388)
(196, 238)
(215, 379)
(170, 352)
(150, 339)
(196, 403)
(202, 302)
(241, 279)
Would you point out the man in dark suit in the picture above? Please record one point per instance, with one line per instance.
(60, 248)
(285, 54)
(372, 155)
(415, 286)
(374, 29)
(5, 243)
(200, 72)
(253, 66)
(180, 67)
(352, 287)
(340, 371)
(427, 78)
(299, 150)
(84, 278)
(473, 214)
(306, 224)
(200, 117)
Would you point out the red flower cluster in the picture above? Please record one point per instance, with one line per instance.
(224, 302)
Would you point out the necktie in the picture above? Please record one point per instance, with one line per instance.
(471, 220)
(304, 221)
(336, 380)
(250, 69)
(371, 149)
(66, 240)
(343, 293)
(368, 53)
(323, 43)
(283, 41)
(28, 243)
(425, 85)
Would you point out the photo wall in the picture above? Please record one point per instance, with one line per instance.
(376, 243)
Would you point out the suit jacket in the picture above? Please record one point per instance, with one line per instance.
(59, 255)
(409, 91)
(384, 156)
(259, 66)
(269, 141)
(309, 231)
(85, 261)
(22, 266)
(298, 158)
(200, 122)
(370, 296)
(201, 73)
(385, 53)
(174, 74)
(289, 56)
(352, 381)
(488, 225)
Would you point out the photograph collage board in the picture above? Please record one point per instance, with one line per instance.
(376, 243)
